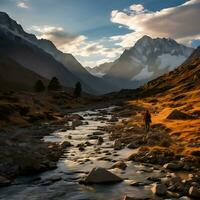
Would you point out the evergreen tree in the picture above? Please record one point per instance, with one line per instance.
(77, 90)
(54, 84)
(39, 86)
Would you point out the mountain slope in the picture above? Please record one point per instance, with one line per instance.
(13, 76)
(100, 70)
(148, 59)
(91, 83)
(183, 79)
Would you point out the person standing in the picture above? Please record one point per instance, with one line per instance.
(147, 120)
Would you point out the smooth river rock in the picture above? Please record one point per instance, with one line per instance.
(100, 175)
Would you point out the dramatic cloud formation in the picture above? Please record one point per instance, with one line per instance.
(22, 4)
(180, 23)
(77, 45)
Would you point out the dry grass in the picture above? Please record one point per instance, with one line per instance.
(183, 132)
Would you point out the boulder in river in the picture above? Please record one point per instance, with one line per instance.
(159, 189)
(100, 141)
(117, 145)
(100, 175)
(173, 166)
(98, 133)
(76, 123)
(66, 144)
(120, 165)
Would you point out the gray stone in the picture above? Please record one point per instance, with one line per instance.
(159, 189)
(173, 166)
(100, 175)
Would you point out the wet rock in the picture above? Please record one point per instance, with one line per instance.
(173, 166)
(88, 143)
(120, 165)
(4, 181)
(73, 117)
(159, 189)
(76, 123)
(100, 141)
(98, 133)
(134, 198)
(154, 179)
(54, 178)
(117, 145)
(66, 144)
(81, 148)
(194, 192)
(69, 137)
(137, 183)
(113, 119)
(92, 137)
(100, 175)
(133, 145)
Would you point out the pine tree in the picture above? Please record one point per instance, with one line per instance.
(78, 90)
(39, 86)
(54, 84)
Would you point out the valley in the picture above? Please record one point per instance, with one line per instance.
(127, 129)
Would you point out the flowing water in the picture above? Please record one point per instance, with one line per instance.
(63, 182)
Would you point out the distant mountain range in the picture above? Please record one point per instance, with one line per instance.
(100, 70)
(146, 60)
(42, 57)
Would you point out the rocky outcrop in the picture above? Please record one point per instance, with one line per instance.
(178, 115)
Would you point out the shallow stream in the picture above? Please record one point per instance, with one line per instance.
(63, 182)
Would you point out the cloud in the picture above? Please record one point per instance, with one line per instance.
(180, 23)
(23, 4)
(138, 8)
(78, 45)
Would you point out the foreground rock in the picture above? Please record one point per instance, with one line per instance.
(100, 175)
(159, 189)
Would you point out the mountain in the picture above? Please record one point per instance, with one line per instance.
(13, 76)
(70, 66)
(100, 70)
(185, 78)
(146, 60)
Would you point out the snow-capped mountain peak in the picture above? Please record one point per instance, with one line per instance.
(148, 59)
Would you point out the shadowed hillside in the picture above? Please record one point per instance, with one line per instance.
(13, 76)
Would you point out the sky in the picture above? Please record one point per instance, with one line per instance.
(98, 31)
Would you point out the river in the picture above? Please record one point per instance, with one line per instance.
(63, 182)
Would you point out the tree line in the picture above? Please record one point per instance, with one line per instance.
(54, 85)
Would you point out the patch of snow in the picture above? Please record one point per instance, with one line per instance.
(144, 74)
(169, 61)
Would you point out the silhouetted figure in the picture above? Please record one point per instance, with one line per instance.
(147, 120)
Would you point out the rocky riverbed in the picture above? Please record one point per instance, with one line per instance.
(95, 163)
